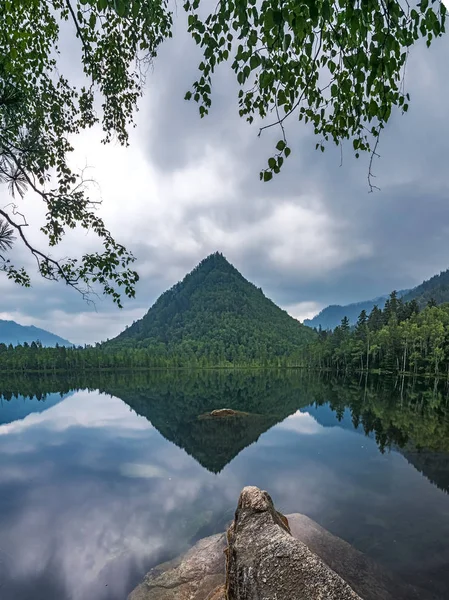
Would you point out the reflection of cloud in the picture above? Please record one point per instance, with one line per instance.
(91, 509)
(84, 409)
(97, 502)
(301, 423)
(141, 470)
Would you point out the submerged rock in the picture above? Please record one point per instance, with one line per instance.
(224, 412)
(272, 557)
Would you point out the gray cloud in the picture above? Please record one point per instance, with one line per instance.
(314, 235)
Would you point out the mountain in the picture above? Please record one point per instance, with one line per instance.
(436, 288)
(433, 465)
(13, 333)
(332, 315)
(215, 313)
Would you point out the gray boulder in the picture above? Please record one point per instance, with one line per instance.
(364, 575)
(272, 557)
(194, 576)
(264, 560)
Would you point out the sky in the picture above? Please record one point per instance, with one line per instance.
(187, 187)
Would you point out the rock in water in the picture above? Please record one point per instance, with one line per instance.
(364, 575)
(264, 561)
(224, 412)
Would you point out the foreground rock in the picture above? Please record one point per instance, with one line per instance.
(194, 576)
(274, 558)
(364, 575)
(265, 561)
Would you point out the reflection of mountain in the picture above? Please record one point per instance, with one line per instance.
(17, 408)
(401, 417)
(408, 416)
(326, 417)
(433, 465)
(174, 404)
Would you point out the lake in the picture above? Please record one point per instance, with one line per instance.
(104, 476)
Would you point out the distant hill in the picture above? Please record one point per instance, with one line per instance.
(332, 315)
(436, 288)
(13, 333)
(216, 313)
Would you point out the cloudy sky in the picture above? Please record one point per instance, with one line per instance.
(187, 187)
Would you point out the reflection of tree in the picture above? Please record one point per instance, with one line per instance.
(407, 415)
(403, 414)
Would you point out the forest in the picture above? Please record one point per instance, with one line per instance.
(398, 339)
(34, 357)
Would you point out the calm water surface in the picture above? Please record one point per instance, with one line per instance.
(101, 479)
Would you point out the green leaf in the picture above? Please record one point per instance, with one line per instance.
(120, 7)
(280, 145)
(267, 175)
(254, 61)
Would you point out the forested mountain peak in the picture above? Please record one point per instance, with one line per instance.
(214, 260)
(214, 312)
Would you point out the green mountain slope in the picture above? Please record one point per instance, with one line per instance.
(13, 333)
(436, 288)
(215, 312)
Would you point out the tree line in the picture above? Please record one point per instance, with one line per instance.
(35, 357)
(398, 339)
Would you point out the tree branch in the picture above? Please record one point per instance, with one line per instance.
(51, 265)
(77, 27)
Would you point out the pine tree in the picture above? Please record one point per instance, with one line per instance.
(375, 319)
(345, 325)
